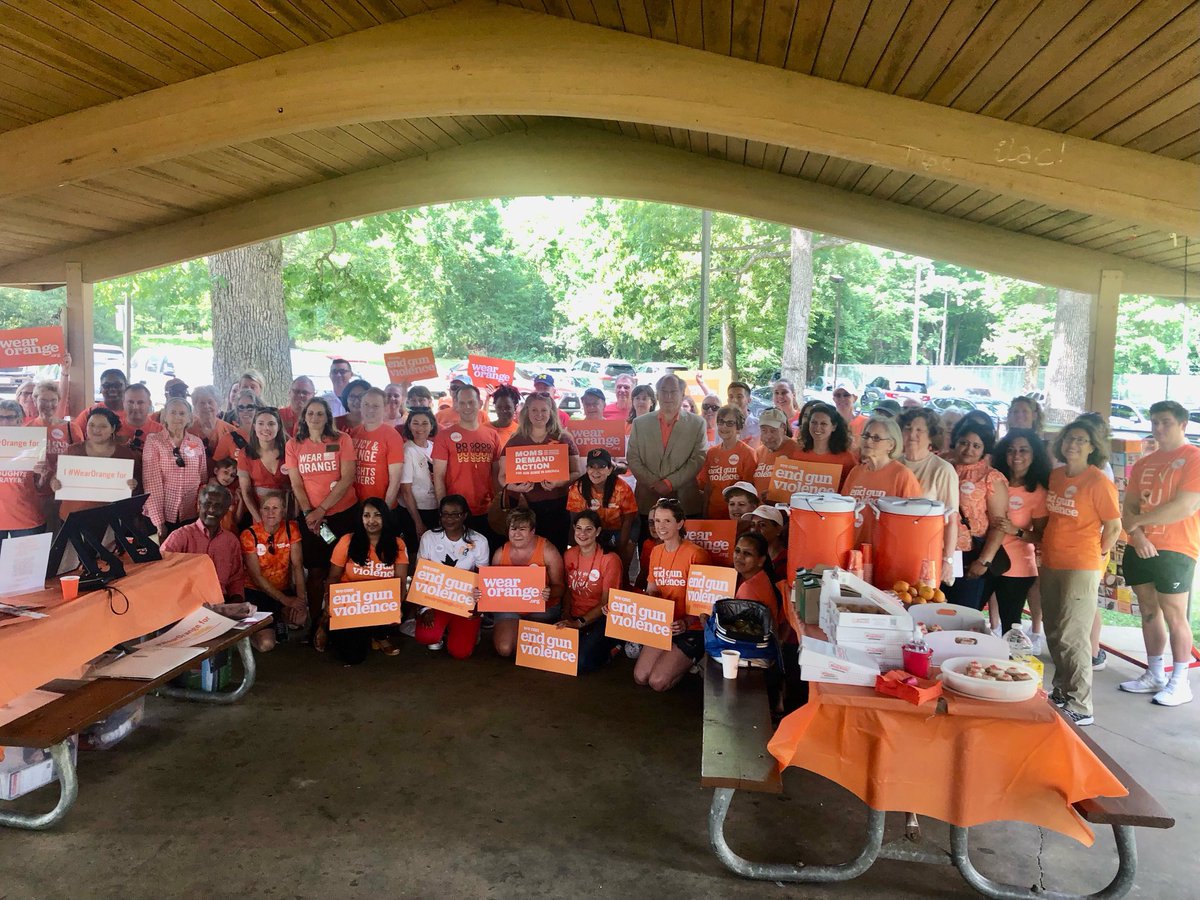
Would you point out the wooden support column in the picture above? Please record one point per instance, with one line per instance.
(78, 324)
(1102, 353)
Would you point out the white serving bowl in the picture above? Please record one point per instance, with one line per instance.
(1001, 691)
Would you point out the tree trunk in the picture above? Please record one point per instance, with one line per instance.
(729, 347)
(795, 338)
(1066, 373)
(1033, 362)
(250, 328)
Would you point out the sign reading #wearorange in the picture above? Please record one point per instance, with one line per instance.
(544, 462)
(406, 366)
(95, 478)
(30, 346)
(639, 618)
(706, 585)
(792, 476)
(548, 648)
(358, 604)
(717, 536)
(606, 434)
(512, 589)
(488, 372)
(447, 588)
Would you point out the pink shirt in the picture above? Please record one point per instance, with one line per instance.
(225, 550)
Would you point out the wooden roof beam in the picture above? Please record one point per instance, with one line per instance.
(575, 160)
(484, 58)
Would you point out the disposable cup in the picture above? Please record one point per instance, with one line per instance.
(916, 659)
(70, 586)
(729, 663)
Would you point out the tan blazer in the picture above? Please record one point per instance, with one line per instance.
(679, 462)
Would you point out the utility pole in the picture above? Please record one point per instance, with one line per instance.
(705, 261)
(916, 329)
(127, 335)
(837, 322)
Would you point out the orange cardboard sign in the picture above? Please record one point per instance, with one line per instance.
(639, 618)
(548, 648)
(544, 462)
(706, 585)
(607, 434)
(512, 589)
(487, 372)
(407, 366)
(31, 346)
(717, 536)
(443, 587)
(357, 604)
(790, 476)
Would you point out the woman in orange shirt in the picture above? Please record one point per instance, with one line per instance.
(880, 474)
(669, 565)
(525, 548)
(826, 439)
(1083, 526)
(727, 463)
(602, 491)
(262, 467)
(590, 574)
(274, 570)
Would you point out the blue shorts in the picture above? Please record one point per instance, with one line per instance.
(551, 615)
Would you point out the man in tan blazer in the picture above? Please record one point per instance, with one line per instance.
(666, 450)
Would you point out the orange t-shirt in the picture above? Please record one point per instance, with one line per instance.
(129, 433)
(227, 447)
(374, 452)
(766, 463)
(20, 503)
(446, 417)
(80, 421)
(893, 480)
(589, 580)
(622, 503)
(845, 459)
(59, 436)
(273, 552)
(758, 588)
(373, 570)
(669, 573)
(469, 456)
(723, 468)
(506, 432)
(290, 420)
(1157, 479)
(319, 464)
(1078, 508)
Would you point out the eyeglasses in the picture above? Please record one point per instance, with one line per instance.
(841, 395)
(178, 457)
(453, 514)
(875, 438)
(730, 423)
(341, 371)
(112, 386)
(708, 407)
(10, 418)
(246, 407)
(1076, 439)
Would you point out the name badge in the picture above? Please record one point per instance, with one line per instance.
(332, 448)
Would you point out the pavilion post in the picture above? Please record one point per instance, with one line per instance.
(1102, 354)
(80, 337)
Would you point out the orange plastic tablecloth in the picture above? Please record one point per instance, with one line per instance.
(35, 651)
(965, 762)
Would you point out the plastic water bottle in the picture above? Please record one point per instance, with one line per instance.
(1018, 641)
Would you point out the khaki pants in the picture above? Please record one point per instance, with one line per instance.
(1068, 608)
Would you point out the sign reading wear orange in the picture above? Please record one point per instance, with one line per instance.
(790, 476)
(406, 366)
(717, 536)
(490, 373)
(545, 462)
(716, 381)
(639, 618)
(706, 585)
(357, 604)
(606, 434)
(31, 346)
(443, 587)
(548, 648)
(512, 589)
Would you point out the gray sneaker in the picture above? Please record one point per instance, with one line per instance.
(1100, 661)
(1146, 684)
(1079, 718)
(1058, 698)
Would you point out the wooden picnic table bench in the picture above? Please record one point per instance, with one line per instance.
(53, 724)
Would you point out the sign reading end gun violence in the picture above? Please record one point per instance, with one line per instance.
(792, 476)
(546, 462)
(706, 585)
(512, 589)
(639, 618)
(407, 366)
(31, 346)
(443, 587)
(548, 648)
(358, 604)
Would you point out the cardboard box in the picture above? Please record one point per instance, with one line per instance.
(884, 637)
(26, 769)
(807, 600)
(886, 656)
(909, 688)
(822, 661)
(849, 601)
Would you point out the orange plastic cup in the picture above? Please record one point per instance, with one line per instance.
(70, 586)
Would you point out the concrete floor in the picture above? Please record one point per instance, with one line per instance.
(420, 776)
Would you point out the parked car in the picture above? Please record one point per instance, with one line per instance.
(602, 373)
(883, 389)
(104, 357)
(11, 379)
(649, 373)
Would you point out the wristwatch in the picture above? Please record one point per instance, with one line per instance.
(581, 621)
(1020, 532)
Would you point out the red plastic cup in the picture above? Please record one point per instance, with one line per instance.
(917, 659)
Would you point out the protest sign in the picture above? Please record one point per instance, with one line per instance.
(545, 462)
(706, 585)
(548, 648)
(22, 448)
(717, 536)
(639, 618)
(606, 434)
(31, 347)
(443, 587)
(487, 373)
(716, 381)
(790, 476)
(512, 589)
(357, 604)
(407, 366)
(95, 478)
(193, 630)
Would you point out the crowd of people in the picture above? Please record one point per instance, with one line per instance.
(356, 484)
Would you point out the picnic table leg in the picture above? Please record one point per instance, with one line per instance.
(68, 790)
(248, 674)
(722, 797)
(1118, 887)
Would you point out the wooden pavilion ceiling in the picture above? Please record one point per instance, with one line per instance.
(1114, 71)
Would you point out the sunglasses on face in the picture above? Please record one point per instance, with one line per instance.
(708, 407)
(341, 372)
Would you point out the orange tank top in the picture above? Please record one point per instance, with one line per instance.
(538, 558)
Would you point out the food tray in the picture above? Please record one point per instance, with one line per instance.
(999, 691)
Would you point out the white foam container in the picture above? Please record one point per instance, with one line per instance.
(949, 644)
(950, 616)
(999, 691)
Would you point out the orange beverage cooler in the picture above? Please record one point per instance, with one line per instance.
(821, 530)
(908, 534)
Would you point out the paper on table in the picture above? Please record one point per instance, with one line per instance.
(151, 662)
(192, 630)
(251, 619)
(26, 703)
(15, 609)
(23, 563)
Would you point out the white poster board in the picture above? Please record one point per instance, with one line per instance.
(96, 478)
(22, 448)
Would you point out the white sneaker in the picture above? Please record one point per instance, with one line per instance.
(437, 646)
(632, 650)
(1145, 684)
(1176, 693)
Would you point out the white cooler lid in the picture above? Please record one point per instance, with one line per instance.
(910, 506)
(826, 503)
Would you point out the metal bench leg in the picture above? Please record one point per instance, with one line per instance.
(722, 797)
(248, 673)
(68, 790)
(1118, 887)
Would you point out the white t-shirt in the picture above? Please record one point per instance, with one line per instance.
(939, 480)
(469, 552)
(418, 471)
